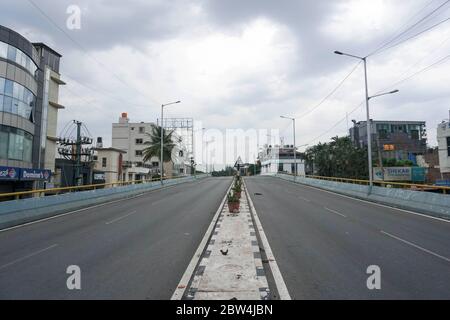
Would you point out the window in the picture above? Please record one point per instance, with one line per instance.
(12, 53)
(139, 141)
(280, 167)
(3, 50)
(3, 145)
(104, 162)
(155, 164)
(448, 146)
(141, 129)
(15, 148)
(138, 153)
(23, 101)
(95, 158)
(415, 134)
(9, 88)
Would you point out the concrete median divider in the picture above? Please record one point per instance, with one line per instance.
(16, 212)
(429, 203)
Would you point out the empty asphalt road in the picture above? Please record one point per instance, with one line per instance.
(324, 244)
(132, 249)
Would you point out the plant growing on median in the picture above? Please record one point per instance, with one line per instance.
(237, 188)
(233, 202)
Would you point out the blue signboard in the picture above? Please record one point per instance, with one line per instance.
(418, 174)
(443, 183)
(9, 173)
(34, 174)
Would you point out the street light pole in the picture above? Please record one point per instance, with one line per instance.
(368, 124)
(295, 151)
(161, 165)
(369, 128)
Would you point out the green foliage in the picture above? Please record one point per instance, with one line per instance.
(254, 169)
(392, 162)
(227, 172)
(237, 186)
(154, 144)
(338, 158)
(232, 198)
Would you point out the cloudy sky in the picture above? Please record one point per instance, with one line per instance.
(242, 64)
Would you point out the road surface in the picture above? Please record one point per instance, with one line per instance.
(132, 249)
(324, 243)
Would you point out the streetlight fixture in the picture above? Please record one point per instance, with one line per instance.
(161, 166)
(369, 129)
(295, 149)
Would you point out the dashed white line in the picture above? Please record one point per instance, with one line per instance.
(304, 199)
(120, 218)
(335, 212)
(416, 246)
(27, 256)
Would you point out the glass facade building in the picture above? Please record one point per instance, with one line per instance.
(25, 73)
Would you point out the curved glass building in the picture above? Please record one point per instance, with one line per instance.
(29, 82)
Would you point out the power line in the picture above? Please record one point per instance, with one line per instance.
(82, 48)
(337, 123)
(425, 57)
(410, 28)
(415, 35)
(331, 93)
(103, 92)
(440, 61)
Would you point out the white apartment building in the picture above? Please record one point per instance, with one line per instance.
(276, 159)
(130, 137)
(108, 161)
(443, 137)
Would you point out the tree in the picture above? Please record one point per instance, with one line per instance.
(338, 158)
(154, 144)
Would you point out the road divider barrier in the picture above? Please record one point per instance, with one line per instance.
(429, 203)
(16, 212)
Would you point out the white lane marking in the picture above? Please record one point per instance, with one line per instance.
(335, 212)
(27, 256)
(304, 199)
(120, 218)
(369, 202)
(278, 277)
(182, 285)
(415, 246)
(95, 206)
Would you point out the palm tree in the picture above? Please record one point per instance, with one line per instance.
(154, 145)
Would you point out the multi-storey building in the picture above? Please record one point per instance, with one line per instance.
(131, 137)
(443, 138)
(29, 85)
(276, 159)
(401, 140)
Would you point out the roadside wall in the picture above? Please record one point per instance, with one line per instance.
(21, 211)
(425, 202)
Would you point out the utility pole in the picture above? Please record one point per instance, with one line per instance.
(77, 154)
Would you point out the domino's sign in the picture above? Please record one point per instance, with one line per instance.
(34, 174)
